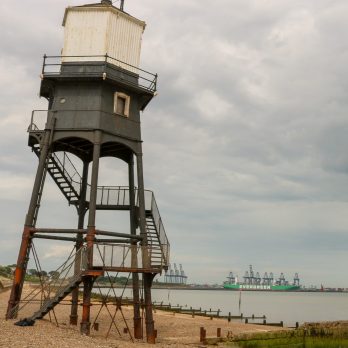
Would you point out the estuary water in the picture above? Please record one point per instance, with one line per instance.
(289, 307)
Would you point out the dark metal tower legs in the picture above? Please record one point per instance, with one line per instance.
(150, 327)
(81, 215)
(88, 280)
(149, 322)
(135, 276)
(86, 305)
(24, 250)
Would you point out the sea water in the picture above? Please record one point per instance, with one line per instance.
(289, 307)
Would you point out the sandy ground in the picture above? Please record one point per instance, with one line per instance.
(177, 330)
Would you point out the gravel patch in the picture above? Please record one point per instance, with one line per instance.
(174, 330)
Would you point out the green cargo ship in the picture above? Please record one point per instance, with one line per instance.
(253, 282)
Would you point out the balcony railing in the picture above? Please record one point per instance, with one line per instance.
(99, 66)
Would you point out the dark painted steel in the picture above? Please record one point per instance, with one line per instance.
(66, 239)
(149, 322)
(19, 274)
(114, 241)
(128, 269)
(81, 209)
(88, 281)
(135, 277)
(110, 67)
(150, 327)
(58, 230)
(117, 234)
(86, 305)
(24, 250)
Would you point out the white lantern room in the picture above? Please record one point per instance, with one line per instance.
(95, 30)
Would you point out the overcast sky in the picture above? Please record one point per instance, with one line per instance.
(245, 145)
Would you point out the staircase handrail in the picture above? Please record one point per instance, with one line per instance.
(67, 161)
(58, 283)
(160, 230)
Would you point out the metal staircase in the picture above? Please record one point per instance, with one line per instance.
(153, 242)
(52, 291)
(64, 174)
(49, 303)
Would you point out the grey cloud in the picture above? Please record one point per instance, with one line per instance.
(245, 144)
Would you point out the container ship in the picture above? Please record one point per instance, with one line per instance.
(253, 282)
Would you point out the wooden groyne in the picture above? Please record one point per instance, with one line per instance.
(5, 285)
(205, 313)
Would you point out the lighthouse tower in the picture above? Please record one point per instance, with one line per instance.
(95, 92)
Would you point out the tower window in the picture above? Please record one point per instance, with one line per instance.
(121, 104)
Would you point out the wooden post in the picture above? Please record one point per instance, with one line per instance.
(202, 334)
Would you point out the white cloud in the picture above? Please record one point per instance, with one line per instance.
(57, 251)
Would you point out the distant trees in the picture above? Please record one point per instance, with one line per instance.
(6, 271)
(117, 280)
(34, 275)
(53, 274)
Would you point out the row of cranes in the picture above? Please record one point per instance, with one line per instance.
(252, 278)
(175, 275)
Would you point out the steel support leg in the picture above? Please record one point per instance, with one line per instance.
(86, 305)
(79, 243)
(88, 284)
(23, 254)
(135, 276)
(148, 277)
(142, 216)
(149, 322)
(19, 274)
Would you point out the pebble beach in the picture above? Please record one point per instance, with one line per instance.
(174, 330)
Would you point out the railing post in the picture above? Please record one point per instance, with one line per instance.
(123, 256)
(64, 154)
(118, 195)
(32, 120)
(43, 64)
(102, 194)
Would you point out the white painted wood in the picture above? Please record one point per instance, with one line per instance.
(96, 31)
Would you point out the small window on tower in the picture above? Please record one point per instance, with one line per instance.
(121, 104)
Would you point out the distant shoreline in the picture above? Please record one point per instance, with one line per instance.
(207, 288)
(222, 289)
